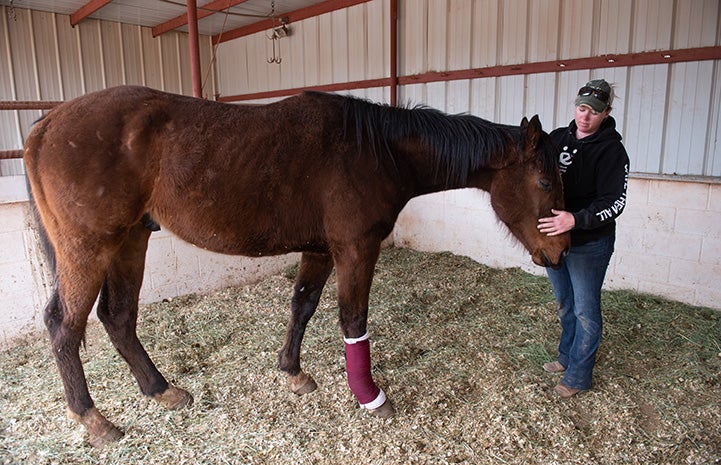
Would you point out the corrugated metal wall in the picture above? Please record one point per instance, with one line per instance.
(346, 45)
(667, 113)
(669, 238)
(43, 58)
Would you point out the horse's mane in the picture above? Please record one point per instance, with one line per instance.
(463, 143)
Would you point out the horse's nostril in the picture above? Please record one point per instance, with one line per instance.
(546, 261)
(561, 258)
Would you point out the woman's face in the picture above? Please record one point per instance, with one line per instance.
(588, 120)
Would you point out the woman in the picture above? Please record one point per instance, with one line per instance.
(594, 168)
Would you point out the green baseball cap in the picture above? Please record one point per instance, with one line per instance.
(596, 94)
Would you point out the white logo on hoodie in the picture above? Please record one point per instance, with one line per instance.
(565, 159)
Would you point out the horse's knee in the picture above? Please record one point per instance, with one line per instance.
(149, 223)
(53, 314)
(100, 430)
(304, 301)
(103, 308)
(66, 333)
(117, 313)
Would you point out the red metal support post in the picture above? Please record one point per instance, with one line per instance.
(394, 52)
(194, 48)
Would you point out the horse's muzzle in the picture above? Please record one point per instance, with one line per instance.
(547, 262)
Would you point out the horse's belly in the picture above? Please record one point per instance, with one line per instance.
(246, 239)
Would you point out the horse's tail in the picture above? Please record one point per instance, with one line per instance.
(46, 246)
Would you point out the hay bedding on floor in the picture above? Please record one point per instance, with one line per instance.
(456, 346)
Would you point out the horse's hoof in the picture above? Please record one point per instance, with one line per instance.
(301, 384)
(101, 431)
(174, 398)
(109, 437)
(384, 411)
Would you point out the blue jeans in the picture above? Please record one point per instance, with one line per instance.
(577, 289)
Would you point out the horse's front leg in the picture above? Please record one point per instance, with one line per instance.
(355, 268)
(312, 276)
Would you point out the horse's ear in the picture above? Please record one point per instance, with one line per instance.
(533, 131)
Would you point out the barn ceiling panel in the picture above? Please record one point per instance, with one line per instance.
(151, 13)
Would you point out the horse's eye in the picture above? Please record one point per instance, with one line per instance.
(545, 184)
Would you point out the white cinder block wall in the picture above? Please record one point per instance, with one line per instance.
(173, 268)
(668, 244)
(668, 240)
(22, 283)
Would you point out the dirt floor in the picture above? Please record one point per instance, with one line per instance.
(457, 346)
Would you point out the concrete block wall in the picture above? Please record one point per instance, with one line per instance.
(668, 244)
(668, 240)
(173, 268)
(23, 283)
(462, 222)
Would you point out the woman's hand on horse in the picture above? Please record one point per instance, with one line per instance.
(562, 222)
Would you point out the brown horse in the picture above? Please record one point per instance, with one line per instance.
(321, 174)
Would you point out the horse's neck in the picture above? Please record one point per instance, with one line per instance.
(481, 179)
(430, 176)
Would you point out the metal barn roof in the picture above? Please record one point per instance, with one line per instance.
(214, 17)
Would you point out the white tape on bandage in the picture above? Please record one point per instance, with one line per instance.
(351, 340)
(380, 400)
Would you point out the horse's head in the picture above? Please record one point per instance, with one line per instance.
(526, 189)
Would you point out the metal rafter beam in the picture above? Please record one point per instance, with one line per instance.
(11, 154)
(605, 61)
(571, 64)
(341, 86)
(29, 105)
(293, 16)
(217, 6)
(86, 10)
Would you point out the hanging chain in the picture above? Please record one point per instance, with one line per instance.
(11, 11)
(274, 36)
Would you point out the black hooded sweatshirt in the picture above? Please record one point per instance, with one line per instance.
(595, 177)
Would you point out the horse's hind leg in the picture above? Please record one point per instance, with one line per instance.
(312, 276)
(118, 311)
(66, 316)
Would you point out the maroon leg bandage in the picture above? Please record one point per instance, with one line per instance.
(358, 369)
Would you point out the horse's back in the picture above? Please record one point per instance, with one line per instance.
(238, 179)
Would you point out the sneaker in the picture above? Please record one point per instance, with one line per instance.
(566, 392)
(554, 367)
